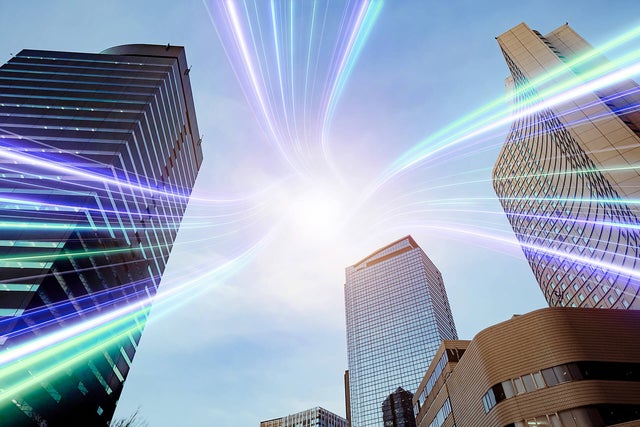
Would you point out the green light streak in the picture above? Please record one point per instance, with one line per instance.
(371, 16)
(77, 349)
(77, 254)
(455, 129)
(540, 80)
(68, 354)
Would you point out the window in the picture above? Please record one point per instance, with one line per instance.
(498, 393)
(537, 376)
(82, 388)
(528, 383)
(507, 386)
(519, 386)
(488, 400)
(549, 377)
(562, 373)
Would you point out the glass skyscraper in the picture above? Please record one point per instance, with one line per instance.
(397, 315)
(566, 173)
(315, 417)
(98, 156)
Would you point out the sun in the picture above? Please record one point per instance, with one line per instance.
(316, 213)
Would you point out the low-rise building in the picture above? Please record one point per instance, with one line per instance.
(315, 417)
(554, 367)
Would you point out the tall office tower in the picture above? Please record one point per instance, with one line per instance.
(397, 314)
(315, 417)
(397, 409)
(566, 172)
(99, 153)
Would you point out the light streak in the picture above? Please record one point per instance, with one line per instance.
(586, 261)
(74, 344)
(367, 17)
(294, 86)
(278, 63)
(553, 95)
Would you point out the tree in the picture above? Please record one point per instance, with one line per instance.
(134, 420)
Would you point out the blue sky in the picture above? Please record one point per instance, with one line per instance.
(268, 338)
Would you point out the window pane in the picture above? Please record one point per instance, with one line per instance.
(498, 392)
(562, 373)
(574, 372)
(519, 387)
(567, 419)
(507, 386)
(528, 383)
(538, 379)
(549, 377)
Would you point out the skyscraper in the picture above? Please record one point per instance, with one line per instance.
(567, 172)
(315, 417)
(98, 156)
(397, 314)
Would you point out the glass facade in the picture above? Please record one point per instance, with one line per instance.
(397, 314)
(315, 417)
(99, 156)
(565, 174)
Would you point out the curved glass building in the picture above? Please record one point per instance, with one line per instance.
(567, 175)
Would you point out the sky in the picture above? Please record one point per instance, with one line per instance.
(286, 199)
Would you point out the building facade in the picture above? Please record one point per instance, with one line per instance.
(315, 417)
(99, 153)
(347, 398)
(567, 172)
(431, 401)
(551, 367)
(397, 314)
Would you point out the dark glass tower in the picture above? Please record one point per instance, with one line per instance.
(397, 409)
(98, 156)
(397, 314)
(567, 176)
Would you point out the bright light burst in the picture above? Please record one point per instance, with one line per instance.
(316, 214)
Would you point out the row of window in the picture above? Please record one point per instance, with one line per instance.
(549, 377)
(442, 414)
(450, 355)
(594, 415)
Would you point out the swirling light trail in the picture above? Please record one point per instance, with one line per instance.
(293, 85)
(554, 94)
(27, 365)
(272, 62)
